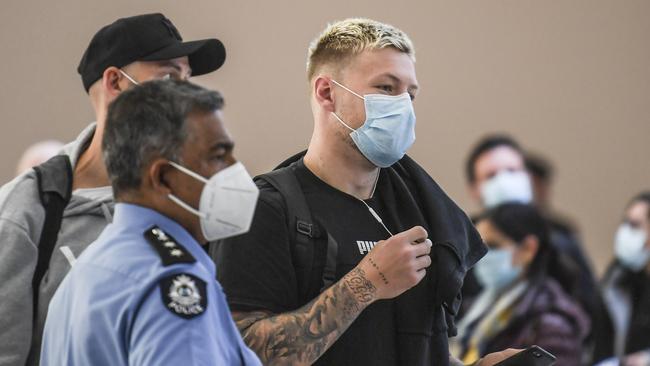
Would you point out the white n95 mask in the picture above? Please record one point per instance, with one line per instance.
(507, 186)
(227, 202)
(630, 249)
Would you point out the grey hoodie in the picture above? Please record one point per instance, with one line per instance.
(21, 223)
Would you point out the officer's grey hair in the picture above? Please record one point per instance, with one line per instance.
(148, 122)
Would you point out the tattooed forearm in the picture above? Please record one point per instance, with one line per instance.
(301, 336)
(358, 284)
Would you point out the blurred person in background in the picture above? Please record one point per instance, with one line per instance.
(626, 287)
(496, 173)
(542, 174)
(37, 154)
(542, 177)
(522, 303)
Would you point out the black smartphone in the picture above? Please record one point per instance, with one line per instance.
(531, 356)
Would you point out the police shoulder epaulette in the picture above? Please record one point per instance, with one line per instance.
(169, 250)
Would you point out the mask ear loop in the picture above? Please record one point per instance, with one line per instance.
(177, 200)
(346, 88)
(186, 206)
(129, 77)
(343, 123)
(355, 94)
(189, 172)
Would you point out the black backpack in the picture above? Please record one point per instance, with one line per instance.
(54, 179)
(304, 231)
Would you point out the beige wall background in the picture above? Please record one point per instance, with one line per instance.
(569, 79)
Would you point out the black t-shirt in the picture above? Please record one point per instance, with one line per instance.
(257, 273)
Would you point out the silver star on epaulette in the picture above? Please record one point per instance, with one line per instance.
(160, 234)
(176, 252)
(169, 244)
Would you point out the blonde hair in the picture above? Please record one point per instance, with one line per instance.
(346, 38)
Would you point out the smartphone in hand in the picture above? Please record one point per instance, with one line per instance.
(531, 356)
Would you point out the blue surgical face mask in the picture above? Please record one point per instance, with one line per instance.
(389, 129)
(495, 270)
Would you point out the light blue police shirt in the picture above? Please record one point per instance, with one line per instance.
(144, 293)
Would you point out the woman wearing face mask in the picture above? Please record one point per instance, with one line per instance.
(626, 286)
(521, 304)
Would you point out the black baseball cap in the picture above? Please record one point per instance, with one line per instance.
(148, 37)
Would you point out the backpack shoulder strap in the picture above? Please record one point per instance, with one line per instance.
(302, 228)
(54, 179)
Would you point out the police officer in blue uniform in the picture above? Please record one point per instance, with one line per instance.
(145, 292)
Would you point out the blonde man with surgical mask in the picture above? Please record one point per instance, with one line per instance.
(626, 286)
(378, 221)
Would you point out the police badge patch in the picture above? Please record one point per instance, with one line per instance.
(184, 295)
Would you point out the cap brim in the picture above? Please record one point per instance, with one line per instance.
(204, 55)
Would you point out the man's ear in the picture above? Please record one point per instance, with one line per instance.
(322, 89)
(113, 82)
(158, 176)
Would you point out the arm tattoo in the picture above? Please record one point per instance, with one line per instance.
(299, 337)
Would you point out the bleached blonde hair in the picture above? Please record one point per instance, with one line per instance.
(342, 40)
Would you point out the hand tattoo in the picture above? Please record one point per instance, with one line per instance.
(383, 278)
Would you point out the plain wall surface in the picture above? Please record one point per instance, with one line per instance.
(569, 79)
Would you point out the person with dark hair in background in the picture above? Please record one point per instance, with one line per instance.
(145, 292)
(49, 215)
(522, 303)
(542, 172)
(496, 173)
(626, 288)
